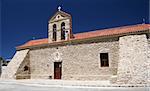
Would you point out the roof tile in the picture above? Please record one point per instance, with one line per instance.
(97, 33)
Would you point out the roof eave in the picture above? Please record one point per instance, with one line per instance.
(72, 40)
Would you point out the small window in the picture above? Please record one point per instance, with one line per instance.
(26, 68)
(104, 60)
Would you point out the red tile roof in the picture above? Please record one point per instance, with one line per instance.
(97, 33)
(113, 31)
(35, 42)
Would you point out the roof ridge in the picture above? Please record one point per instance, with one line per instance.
(120, 27)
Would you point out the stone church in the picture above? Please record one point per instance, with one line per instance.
(118, 55)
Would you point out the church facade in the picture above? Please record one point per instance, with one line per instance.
(118, 55)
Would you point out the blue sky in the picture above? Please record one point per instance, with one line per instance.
(21, 20)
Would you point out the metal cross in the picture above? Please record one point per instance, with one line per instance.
(59, 8)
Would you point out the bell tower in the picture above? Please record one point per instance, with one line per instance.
(60, 27)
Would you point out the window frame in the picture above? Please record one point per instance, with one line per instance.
(107, 64)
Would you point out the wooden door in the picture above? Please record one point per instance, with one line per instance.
(57, 70)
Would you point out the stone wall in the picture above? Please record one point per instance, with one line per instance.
(79, 62)
(0, 67)
(133, 59)
(149, 60)
(23, 71)
(129, 61)
(14, 64)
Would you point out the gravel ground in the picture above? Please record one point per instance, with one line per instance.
(46, 85)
